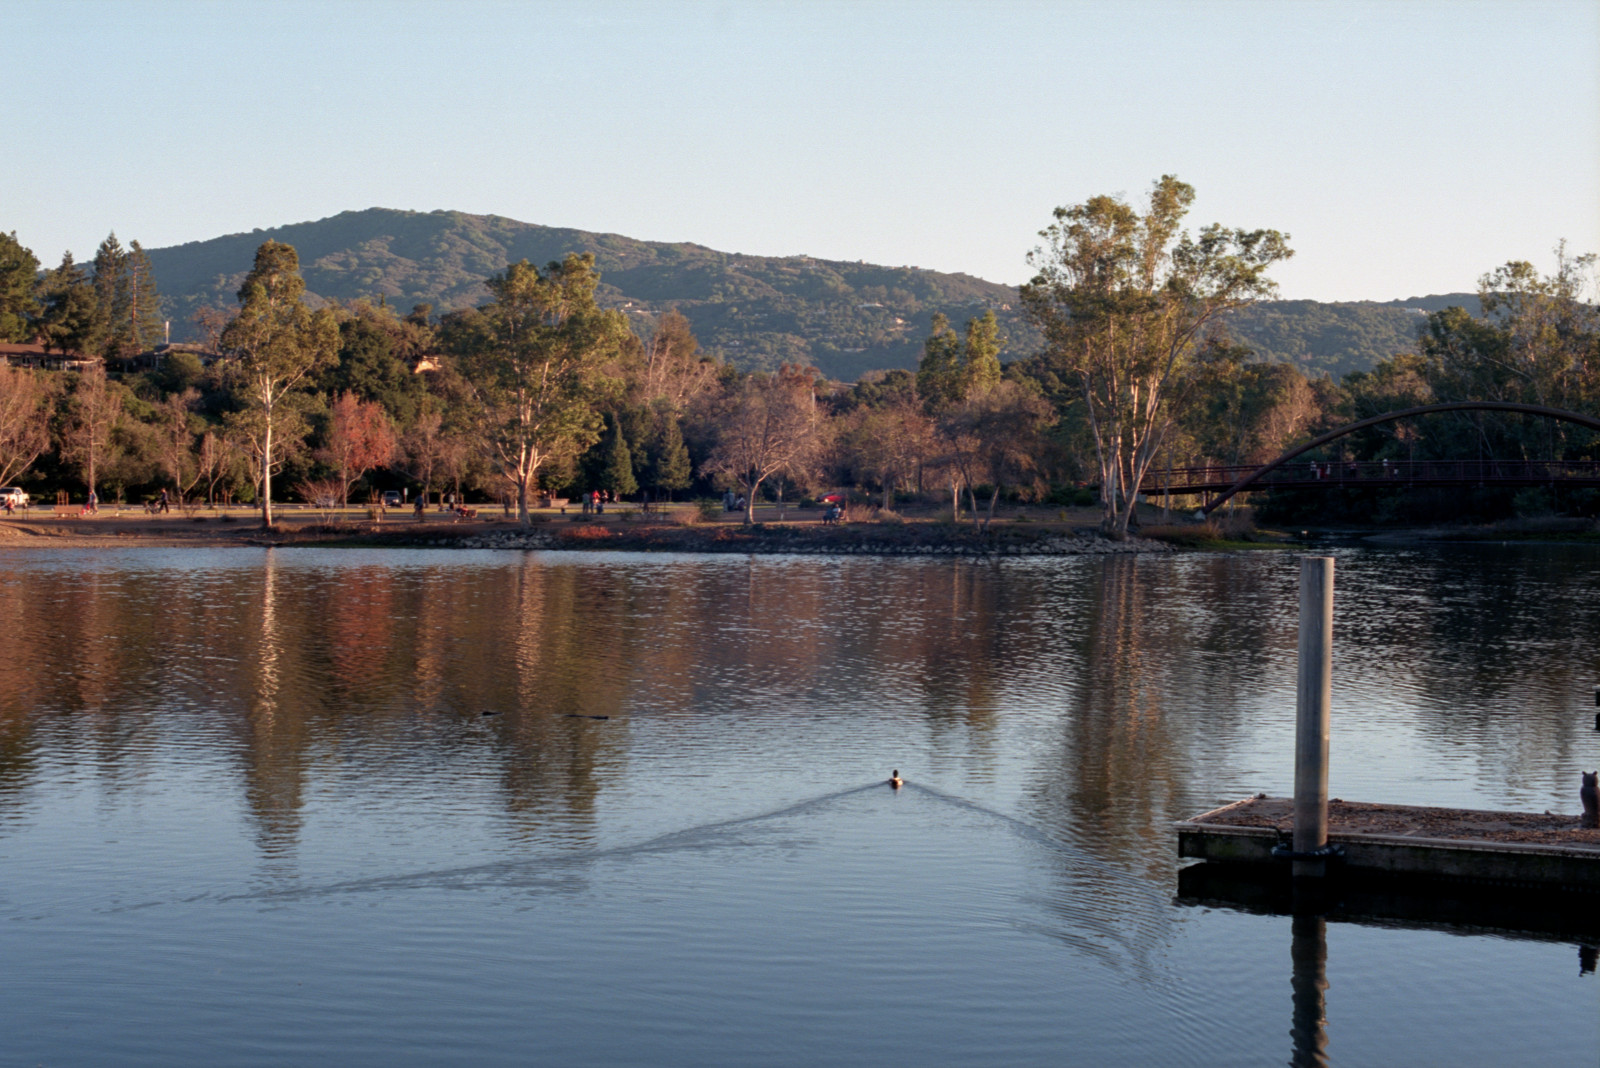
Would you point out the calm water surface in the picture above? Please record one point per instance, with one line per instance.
(309, 806)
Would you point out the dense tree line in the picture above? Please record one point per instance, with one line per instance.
(110, 309)
(541, 392)
(1536, 341)
(538, 392)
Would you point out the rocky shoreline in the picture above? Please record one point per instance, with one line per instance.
(859, 540)
(566, 534)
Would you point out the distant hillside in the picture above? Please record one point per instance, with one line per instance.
(1337, 338)
(757, 311)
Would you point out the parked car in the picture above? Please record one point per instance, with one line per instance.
(391, 498)
(13, 496)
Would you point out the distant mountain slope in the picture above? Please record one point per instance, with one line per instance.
(758, 311)
(1337, 338)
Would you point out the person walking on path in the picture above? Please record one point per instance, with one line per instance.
(163, 503)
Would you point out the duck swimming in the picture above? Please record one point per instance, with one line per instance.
(895, 780)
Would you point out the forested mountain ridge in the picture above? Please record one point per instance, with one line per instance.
(757, 311)
(1338, 337)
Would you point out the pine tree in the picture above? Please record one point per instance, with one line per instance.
(144, 311)
(982, 365)
(939, 371)
(618, 474)
(669, 467)
(112, 292)
(71, 319)
(18, 269)
(125, 287)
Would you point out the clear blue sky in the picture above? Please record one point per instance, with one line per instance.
(1407, 147)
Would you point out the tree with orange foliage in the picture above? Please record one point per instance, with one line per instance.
(360, 438)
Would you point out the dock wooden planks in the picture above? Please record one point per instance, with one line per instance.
(1527, 849)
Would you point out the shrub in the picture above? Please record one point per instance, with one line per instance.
(1071, 497)
(325, 495)
(589, 533)
(1192, 535)
(1533, 502)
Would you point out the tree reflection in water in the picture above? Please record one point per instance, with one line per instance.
(1113, 694)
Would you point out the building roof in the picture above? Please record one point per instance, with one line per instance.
(31, 352)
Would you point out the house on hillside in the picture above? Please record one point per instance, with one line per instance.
(32, 354)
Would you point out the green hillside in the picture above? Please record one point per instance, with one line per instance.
(758, 311)
(1337, 338)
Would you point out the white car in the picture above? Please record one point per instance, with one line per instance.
(14, 496)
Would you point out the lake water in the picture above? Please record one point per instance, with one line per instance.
(253, 811)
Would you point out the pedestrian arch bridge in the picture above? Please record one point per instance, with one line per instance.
(1217, 484)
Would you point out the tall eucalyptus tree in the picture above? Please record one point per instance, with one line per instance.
(1128, 303)
(534, 362)
(273, 345)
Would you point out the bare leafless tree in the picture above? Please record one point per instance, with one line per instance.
(93, 411)
(671, 366)
(219, 459)
(992, 437)
(175, 441)
(767, 424)
(24, 424)
(888, 443)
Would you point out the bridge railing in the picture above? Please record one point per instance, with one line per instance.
(1388, 472)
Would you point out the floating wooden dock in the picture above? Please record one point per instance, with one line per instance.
(1314, 838)
(1522, 849)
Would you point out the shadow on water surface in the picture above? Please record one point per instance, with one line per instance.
(1385, 902)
